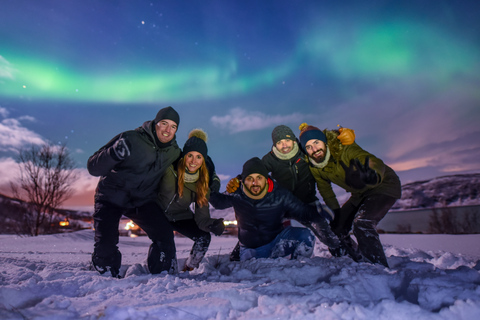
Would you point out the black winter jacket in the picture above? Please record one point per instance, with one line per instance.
(134, 181)
(260, 221)
(293, 174)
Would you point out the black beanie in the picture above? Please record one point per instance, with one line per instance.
(254, 165)
(167, 113)
(282, 132)
(197, 139)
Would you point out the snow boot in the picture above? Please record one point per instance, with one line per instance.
(110, 264)
(161, 258)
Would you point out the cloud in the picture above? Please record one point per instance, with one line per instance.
(238, 120)
(8, 171)
(13, 135)
(3, 112)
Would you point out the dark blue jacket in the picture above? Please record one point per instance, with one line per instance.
(260, 221)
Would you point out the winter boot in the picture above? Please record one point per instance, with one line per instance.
(348, 247)
(109, 264)
(199, 249)
(161, 258)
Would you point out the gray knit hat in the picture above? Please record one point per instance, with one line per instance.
(282, 132)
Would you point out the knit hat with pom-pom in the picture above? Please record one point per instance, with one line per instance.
(308, 133)
(197, 139)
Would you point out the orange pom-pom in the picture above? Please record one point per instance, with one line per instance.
(303, 126)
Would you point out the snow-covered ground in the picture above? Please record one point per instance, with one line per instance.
(431, 277)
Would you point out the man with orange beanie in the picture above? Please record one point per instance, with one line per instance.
(374, 188)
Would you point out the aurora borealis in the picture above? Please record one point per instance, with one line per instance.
(404, 74)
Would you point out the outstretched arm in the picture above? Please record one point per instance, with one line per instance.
(105, 159)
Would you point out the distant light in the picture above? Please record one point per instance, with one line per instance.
(24, 86)
(143, 22)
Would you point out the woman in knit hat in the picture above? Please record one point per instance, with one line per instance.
(186, 184)
(374, 188)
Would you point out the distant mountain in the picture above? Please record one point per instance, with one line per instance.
(445, 191)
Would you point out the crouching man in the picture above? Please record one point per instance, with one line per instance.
(261, 206)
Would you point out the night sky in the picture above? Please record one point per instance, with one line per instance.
(405, 75)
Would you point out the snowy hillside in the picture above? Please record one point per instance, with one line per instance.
(446, 191)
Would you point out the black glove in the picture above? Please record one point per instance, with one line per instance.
(217, 227)
(357, 175)
(121, 149)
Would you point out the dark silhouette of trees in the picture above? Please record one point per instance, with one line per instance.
(45, 180)
(444, 220)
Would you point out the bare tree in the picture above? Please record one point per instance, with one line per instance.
(46, 175)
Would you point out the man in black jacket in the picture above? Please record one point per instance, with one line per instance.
(261, 205)
(130, 167)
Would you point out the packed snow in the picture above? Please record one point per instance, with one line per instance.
(430, 277)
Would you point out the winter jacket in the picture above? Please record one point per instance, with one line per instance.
(293, 174)
(260, 221)
(176, 208)
(134, 181)
(333, 172)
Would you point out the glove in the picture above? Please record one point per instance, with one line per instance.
(357, 175)
(121, 149)
(233, 185)
(217, 227)
(346, 136)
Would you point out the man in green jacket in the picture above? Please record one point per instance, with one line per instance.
(374, 188)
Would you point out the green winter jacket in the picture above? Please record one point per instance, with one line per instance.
(176, 208)
(333, 172)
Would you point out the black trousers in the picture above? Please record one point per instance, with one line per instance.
(149, 217)
(364, 219)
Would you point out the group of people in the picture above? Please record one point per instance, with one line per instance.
(145, 176)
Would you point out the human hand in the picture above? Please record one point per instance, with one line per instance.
(233, 185)
(346, 136)
(357, 175)
(121, 149)
(217, 227)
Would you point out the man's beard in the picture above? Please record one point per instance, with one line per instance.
(256, 188)
(319, 158)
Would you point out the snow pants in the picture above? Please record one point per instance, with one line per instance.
(292, 241)
(364, 219)
(149, 217)
(201, 239)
